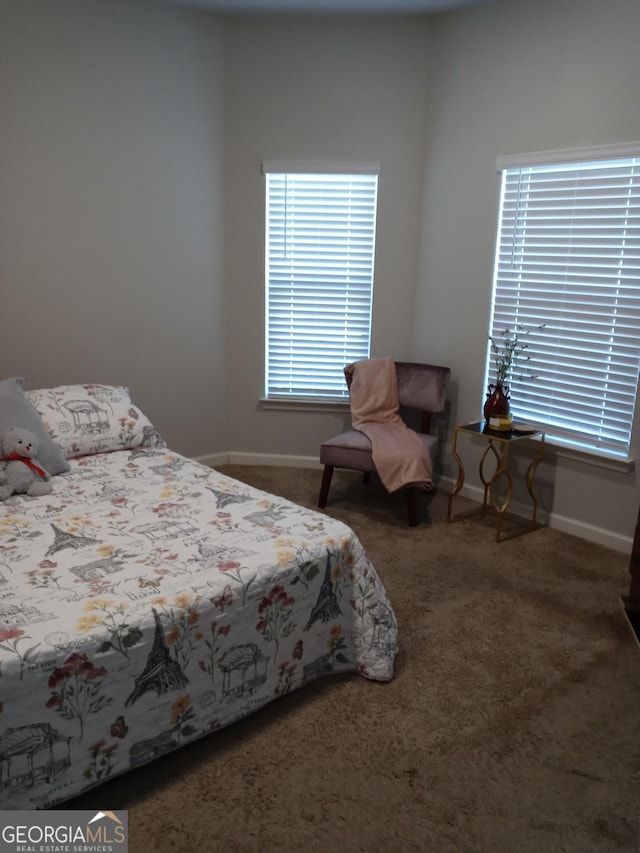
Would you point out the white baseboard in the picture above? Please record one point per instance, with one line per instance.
(598, 535)
(212, 460)
(286, 461)
(237, 457)
(573, 526)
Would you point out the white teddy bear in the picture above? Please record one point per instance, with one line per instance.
(20, 474)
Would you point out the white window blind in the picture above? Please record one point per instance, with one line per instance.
(320, 247)
(568, 257)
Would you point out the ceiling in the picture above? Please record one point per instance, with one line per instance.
(369, 7)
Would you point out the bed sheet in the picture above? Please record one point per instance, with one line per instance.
(150, 600)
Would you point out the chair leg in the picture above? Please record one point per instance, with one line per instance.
(327, 474)
(411, 507)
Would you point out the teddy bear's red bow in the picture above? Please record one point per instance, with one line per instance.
(17, 458)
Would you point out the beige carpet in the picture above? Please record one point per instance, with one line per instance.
(513, 723)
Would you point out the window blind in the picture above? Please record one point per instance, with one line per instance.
(320, 247)
(568, 258)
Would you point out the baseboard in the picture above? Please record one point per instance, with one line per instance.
(213, 460)
(237, 457)
(284, 460)
(598, 535)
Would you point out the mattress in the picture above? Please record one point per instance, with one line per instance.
(150, 600)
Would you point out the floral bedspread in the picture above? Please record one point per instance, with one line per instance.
(150, 600)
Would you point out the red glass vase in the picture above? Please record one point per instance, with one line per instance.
(497, 410)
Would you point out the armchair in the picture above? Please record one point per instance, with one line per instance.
(421, 387)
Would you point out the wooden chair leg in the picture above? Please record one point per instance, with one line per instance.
(327, 474)
(411, 507)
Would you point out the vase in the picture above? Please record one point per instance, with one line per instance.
(497, 410)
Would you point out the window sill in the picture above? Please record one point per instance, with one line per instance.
(598, 459)
(304, 405)
(564, 450)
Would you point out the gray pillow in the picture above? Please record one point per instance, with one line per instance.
(16, 410)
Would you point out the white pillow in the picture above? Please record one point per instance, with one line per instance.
(89, 419)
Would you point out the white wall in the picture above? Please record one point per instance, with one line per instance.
(511, 78)
(131, 197)
(320, 89)
(438, 98)
(111, 166)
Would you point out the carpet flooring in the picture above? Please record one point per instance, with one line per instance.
(512, 724)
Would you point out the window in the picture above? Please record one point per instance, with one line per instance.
(568, 257)
(320, 244)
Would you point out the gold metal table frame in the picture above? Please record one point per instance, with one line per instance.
(494, 440)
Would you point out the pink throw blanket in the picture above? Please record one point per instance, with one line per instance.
(400, 457)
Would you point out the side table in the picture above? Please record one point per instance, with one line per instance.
(498, 444)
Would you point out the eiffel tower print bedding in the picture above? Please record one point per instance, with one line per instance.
(149, 600)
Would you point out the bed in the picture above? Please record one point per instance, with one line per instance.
(150, 600)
